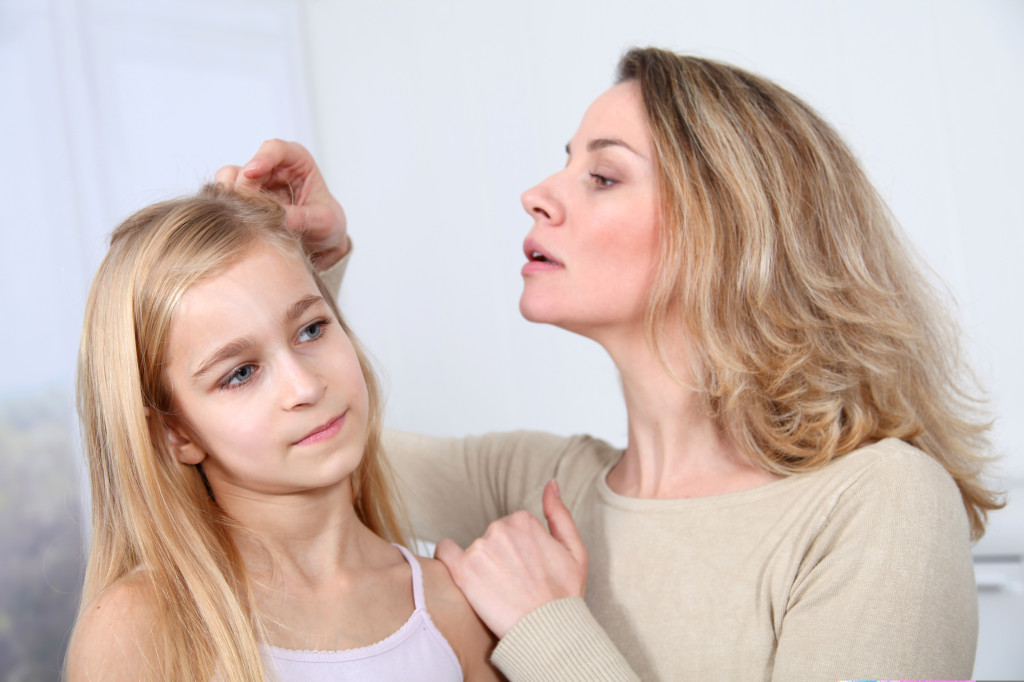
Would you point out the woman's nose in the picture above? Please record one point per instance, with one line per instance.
(541, 202)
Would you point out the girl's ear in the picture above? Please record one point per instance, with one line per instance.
(184, 448)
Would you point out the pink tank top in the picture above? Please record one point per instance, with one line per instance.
(417, 652)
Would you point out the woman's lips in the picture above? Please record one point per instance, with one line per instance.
(538, 260)
(322, 433)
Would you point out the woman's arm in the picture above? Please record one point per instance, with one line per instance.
(456, 487)
(526, 582)
(886, 590)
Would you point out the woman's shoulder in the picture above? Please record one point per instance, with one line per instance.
(114, 637)
(891, 464)
(900, 486)
(454, 617)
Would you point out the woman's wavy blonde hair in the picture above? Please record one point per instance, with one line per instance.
(813, 330)
(148, 510)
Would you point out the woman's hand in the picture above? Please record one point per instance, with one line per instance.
(287, 171)
(518, 566)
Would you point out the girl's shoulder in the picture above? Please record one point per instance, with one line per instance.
(454, 617)
(115, 637)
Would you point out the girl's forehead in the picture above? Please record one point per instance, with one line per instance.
(262, 251)
(263, 279)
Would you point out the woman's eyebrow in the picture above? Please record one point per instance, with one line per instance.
(603, 142)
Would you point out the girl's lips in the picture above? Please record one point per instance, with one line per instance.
(322, 433)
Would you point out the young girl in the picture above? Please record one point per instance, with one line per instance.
(242, 513)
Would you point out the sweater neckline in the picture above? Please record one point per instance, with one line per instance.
(782, 486)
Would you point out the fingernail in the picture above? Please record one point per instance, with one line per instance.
(558, 491)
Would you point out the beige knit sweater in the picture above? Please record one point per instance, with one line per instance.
(861, 570)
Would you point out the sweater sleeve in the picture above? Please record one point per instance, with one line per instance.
(560, 642)
(886, 590)
(333, 275)
(454, 487)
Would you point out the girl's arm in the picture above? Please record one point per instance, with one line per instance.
(114, 637)
(448, 608)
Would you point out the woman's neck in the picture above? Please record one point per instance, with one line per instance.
(675, 448)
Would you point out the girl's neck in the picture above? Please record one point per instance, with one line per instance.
(320, 578)
(675, 448)
(310, 535)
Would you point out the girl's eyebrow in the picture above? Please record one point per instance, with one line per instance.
(301, 306)
(225, 352)
(240, 345)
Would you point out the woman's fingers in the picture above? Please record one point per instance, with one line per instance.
(287, 171)
(561, 525)
(518, 565)
(227, 175)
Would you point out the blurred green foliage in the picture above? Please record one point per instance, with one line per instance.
(41, 545)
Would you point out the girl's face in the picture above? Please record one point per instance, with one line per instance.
(268, 387)
(594, 243)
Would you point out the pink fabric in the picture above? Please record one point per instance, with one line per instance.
(416, 652)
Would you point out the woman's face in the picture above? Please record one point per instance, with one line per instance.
(594, 243)
(266, 381)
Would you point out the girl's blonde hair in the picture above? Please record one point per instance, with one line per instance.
(149, 511)
(812, 329)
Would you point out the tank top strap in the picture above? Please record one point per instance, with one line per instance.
(417, 577)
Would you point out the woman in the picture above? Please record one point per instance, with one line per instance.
(802, 475)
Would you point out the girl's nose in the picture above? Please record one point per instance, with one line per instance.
(302, 384)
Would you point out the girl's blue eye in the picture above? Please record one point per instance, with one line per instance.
(239, 376)
(312, 331)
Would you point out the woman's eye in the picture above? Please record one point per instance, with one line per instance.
(312, 331)
(239, 376)
(602, 180)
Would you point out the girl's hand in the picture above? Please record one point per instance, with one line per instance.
(287, 171)
(518, 566)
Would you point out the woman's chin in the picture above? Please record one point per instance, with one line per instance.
(535, 311)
